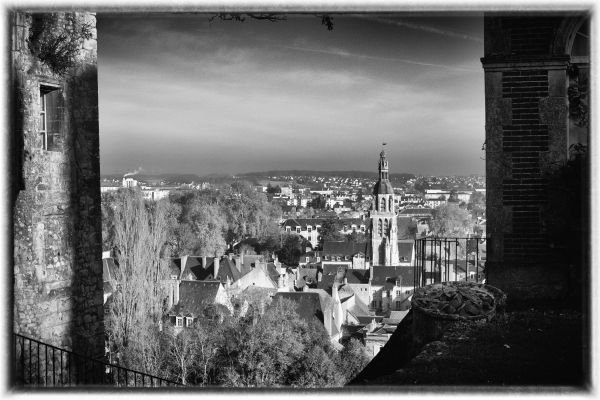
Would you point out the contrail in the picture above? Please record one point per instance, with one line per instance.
(343, 53)
(427, 28)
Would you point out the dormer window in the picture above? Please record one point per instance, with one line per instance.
(179, 321)
(309, 229)
(297, 229)
(189, 321)
(288, 228)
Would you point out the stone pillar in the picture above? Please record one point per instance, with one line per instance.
(526, 142)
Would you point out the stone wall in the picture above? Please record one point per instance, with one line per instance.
(58, 287)
(526, 77)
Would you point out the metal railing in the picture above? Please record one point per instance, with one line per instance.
(448, 259)
(37, 364)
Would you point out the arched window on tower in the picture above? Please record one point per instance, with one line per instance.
(385, 226)
(391, 207)
(380, 228)
(382, 204)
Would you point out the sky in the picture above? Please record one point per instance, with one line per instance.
(181, 94)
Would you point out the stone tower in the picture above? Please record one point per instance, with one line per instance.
(384, 229)
(55, 181)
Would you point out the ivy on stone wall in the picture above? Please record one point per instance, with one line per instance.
(56, 39)
(578, 98)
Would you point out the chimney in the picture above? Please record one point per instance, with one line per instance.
(241, 259)
(345, 280)
(305, 288)
(230, 256)
(183, 264)
(203, 262)
(176, 293)
(319, 276)
(216, 267)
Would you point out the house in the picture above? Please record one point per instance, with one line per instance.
(391, 288)
(376, 335)
(309, 228)
(315, 303)
(350, 253)
(209, 268)
(192, 301)
(258, 276)
(421, 213)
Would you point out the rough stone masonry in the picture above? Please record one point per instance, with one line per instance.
(55, 179)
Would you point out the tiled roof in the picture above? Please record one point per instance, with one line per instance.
(405, 249)
(383, 275)
(344, 248)
(195, 296)
(358, 276)
(272, 272)
(193, 264)
(227, 269)
(309, 304)
(329, 269)
(366, 319)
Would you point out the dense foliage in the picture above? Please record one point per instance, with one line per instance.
(208, 222)
(258, 346)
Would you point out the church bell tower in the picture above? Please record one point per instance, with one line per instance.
(384, 226)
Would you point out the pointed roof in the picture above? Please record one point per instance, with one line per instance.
(195, 296)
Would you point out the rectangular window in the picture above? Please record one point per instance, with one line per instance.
(298, 229)
(50, 118)
(179, 321)
(189, 321)
(309, 229)
(398, 293)
(398, 305)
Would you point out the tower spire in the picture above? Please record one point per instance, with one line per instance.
(383, 165)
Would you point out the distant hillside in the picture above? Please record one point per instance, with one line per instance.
(172, 177)
(252, 176)
(343, 174)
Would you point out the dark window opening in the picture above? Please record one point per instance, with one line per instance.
(51, 118)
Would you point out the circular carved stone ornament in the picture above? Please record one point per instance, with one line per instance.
(459, 300)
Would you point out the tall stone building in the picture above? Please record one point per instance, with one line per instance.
(384, 228)
(55, 180)
(537, 129)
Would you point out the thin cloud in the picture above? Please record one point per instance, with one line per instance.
(431, 29)
(343, 53)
